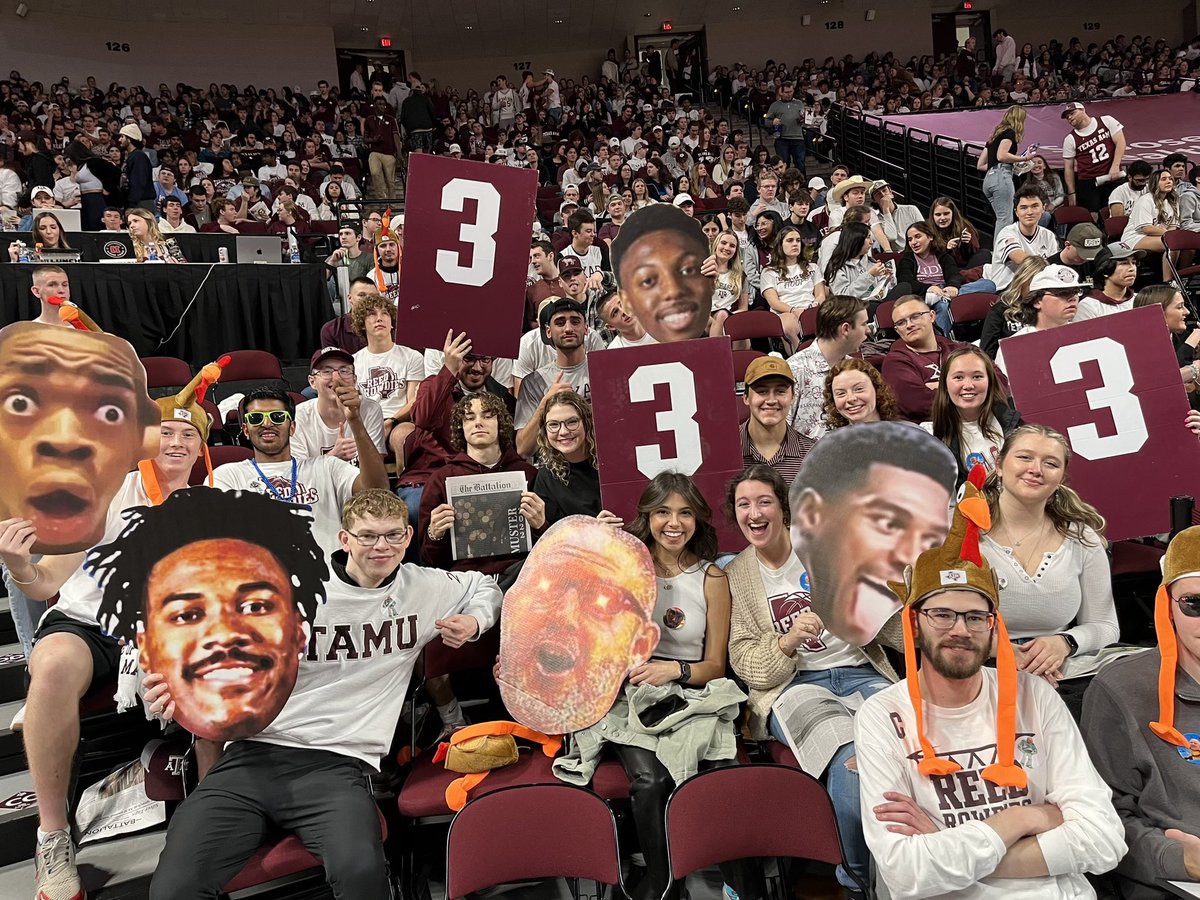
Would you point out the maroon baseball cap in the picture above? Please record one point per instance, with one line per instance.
(326, 352)
(569, 265)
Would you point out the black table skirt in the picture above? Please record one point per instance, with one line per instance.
(279, 309)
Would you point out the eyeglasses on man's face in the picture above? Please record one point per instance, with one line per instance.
(943, 619)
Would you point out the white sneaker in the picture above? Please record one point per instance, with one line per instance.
(18, 721)
(55, 876)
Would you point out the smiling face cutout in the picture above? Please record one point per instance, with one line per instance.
(574, 624)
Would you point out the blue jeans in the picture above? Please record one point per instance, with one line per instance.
(1000, 192)
(941, 316)
(840, 782)
(26, 613)
(791, 151)
(982, 286)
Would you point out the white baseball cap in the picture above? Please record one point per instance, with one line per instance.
(817, 182)
(673, 142)
(1053, 278)
(681, 199)
(454, 148)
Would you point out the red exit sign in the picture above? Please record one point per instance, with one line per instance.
(385, 42)
(667, 26)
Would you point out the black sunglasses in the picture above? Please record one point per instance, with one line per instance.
(1189, 605)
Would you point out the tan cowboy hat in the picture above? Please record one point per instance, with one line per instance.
(839, 190)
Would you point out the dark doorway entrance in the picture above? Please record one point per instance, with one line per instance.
(387, 65)
(688, 72)
(951, 30)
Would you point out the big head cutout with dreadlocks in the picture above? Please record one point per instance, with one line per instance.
(867, 501)
(577, 620)
(75, 418)
(218, 589)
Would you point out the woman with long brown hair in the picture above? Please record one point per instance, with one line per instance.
(971, 412)
(1046, 545)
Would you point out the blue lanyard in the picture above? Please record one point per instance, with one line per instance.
(270, 487)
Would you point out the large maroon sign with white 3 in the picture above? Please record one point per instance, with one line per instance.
(466, 252)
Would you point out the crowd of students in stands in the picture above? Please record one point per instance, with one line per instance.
(825, 257)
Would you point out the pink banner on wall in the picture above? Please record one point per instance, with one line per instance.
(1154, 126)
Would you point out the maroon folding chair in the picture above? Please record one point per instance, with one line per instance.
(282, 863)
(246, 370)
(1114, 227)
(165, 372)
(808, 322)
(968, 312)
(753, 323)
(1182, 239)
(489, 841)
(697, 839)
(741, 361)
(883, 316)
(1066, 216)
(220, 454)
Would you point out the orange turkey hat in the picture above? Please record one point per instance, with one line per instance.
(1182, 560)
(185, 406)
(959, 565)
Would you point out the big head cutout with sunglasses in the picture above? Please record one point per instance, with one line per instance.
(577, 620)
(867, 501)
(75, 418)
(217, 590)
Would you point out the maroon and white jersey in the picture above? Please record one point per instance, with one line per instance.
(1093, 148)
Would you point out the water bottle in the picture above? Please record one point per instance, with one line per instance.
(24, 253)
(295, 255)
(152, 254)
(293, 248)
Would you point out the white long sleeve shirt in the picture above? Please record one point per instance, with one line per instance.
(958, 860)
(363, 647)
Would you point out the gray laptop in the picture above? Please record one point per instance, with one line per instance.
(71, 219)
(256, 249)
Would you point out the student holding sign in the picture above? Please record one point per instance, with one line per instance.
(481, 430)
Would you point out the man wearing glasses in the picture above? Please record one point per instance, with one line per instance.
(974, 781)
(324, 483)
(914, 362)
(307, 772)
(321, 425)
(1152, 766)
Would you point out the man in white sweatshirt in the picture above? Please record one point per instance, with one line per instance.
(308, 771)
(974, 781)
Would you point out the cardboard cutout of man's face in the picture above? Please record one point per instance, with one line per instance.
(661, 286)
(74, 419)
(854, 541)
(574, 624)
(222, 625)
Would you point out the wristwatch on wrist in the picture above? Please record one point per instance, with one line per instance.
(1072, 644)
(685, 672)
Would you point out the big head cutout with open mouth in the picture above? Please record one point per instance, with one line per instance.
(574, 624)
(75, 418)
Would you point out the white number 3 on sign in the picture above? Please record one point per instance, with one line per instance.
(480, 234)
(678, 418)
(1114, 395)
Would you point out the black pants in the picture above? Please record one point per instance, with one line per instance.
(650, 784)
(1092, 196)
(321, 797)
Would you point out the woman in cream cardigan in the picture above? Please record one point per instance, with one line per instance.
(778, 644)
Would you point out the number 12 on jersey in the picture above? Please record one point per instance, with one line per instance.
(665, 408)
(466, 251)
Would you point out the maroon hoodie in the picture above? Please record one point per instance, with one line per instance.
(907, 371)
(438, 553)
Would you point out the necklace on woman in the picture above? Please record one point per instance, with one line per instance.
(1024, 559)
(1039, 529)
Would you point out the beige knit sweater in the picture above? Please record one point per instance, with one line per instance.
(754, 645)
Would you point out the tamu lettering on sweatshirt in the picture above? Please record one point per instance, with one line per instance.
(363, 647)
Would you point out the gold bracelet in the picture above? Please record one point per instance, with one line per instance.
(37, 573)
